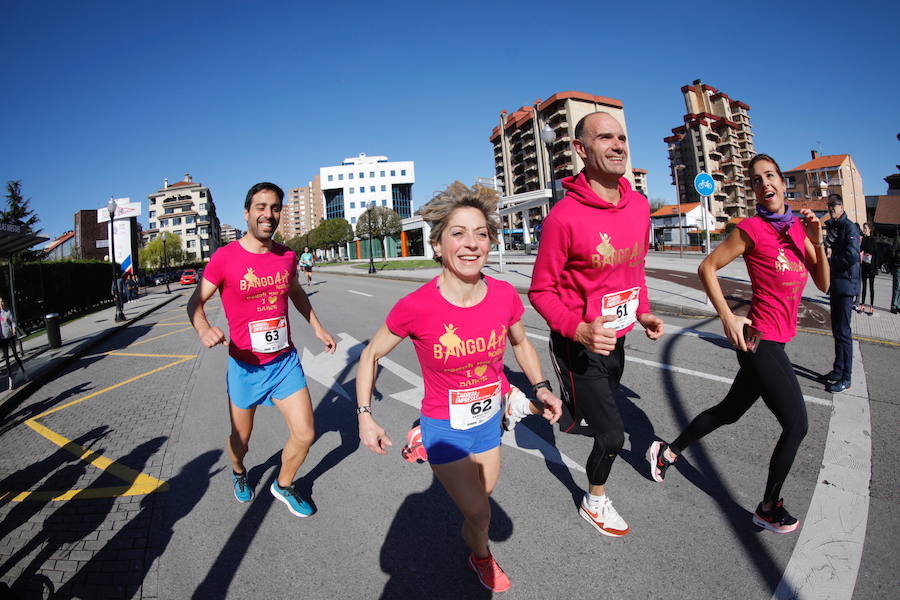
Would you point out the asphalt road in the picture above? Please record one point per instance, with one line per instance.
(385, 528)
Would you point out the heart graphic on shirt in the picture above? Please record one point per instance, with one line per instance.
(480, 370)
(273, 299)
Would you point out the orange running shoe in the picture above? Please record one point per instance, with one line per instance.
(414, 451)
(489, 573)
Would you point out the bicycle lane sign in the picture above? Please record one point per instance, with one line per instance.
(704, 184)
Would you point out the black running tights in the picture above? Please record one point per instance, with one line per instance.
(767, 373)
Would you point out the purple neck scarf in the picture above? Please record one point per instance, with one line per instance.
(779, 222)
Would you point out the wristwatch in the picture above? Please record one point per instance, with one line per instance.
(364, 409)
(542, 384)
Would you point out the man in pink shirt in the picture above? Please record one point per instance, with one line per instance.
(588, 284)
(256, 278)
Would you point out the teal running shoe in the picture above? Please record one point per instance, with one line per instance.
(242, 490)
(297, 505)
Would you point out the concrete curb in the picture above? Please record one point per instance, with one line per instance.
(46, 373)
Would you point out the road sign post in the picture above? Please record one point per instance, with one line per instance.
(705, 186)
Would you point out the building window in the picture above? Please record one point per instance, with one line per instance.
(384, 188)
(203, 206)
(403, 172)
(362, 175)
(334, 204)
(401, 199)
(152, 224)
(371, 173)
(384, 202)
(382, 173)
(176, 221)
(353, 205)
(349, 175)
(203, 194)
(169, 211)
(190, 219)
(340, 176)
(191, 231)
(331, 178)
(393, 173)
(352, 220)
(371, 188)
(351, 190)
(191, 243)
(151, 214)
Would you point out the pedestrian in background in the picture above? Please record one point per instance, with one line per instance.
(869, 261)
(844, 263)
(9, 332)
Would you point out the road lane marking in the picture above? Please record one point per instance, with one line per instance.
(693, 373)
(136, 483)
(159, 336)
(825, 562)
(360, 293)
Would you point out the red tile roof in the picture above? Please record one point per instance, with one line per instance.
(671, 210)
(823, 162)
(581, 96)
(888, 210)
(817, 205)
(644, 171)
(180, 183)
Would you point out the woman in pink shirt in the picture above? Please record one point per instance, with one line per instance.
(459, 323)
(779, 249)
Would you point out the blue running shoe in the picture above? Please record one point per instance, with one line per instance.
(242, 490)
(297, 505)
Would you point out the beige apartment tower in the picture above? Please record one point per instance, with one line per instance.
(716, 138)
(302, 210)
(809, 185)
(187, 209)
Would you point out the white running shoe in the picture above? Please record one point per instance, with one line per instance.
(516, 408)
(603, 517)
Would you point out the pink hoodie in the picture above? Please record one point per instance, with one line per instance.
(589, 249)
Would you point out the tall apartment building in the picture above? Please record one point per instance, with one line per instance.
(357, 182)
(229, 233)
(302, 210)
(187, 209)
(809, 185)
(717, 138)
(521, 161)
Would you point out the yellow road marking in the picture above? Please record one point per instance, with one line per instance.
(173, 323)
(137, 483)
(855, 337)
(159, 336)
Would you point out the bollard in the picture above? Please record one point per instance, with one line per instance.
(51, 321)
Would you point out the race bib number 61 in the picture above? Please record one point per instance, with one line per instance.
(268, 335)
(621, 305)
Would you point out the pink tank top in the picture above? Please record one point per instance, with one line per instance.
(777, 275)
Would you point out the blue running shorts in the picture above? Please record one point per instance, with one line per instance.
(254, 385)
(445, 444)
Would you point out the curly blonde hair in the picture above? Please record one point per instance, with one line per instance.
(437, 211)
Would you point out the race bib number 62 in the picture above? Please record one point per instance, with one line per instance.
(472, 407)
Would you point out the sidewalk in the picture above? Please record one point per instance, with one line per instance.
(79, 336)
(665, 296)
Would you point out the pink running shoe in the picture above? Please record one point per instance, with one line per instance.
(414, 451)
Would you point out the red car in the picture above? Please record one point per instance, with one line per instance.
(189, 277)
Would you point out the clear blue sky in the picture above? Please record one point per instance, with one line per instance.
(107, 99)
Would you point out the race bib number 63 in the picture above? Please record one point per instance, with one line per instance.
(268, 335)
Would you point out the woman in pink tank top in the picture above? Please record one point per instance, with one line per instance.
(779, 249)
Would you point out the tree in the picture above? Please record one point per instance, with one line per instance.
(158, 254)
(657, 203)
(278, 237)
(384, 222)
(332, 233)
(18, 210)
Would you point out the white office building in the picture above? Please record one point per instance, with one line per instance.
(357, 182)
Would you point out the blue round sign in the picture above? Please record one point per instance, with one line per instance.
(704, 184)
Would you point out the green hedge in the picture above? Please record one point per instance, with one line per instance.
(67, 287)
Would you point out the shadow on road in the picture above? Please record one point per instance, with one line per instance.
(424, 553)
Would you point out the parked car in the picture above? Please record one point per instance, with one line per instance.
(189, 277)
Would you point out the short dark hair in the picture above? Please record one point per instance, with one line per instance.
(767, 158)
(579, 127)
(835, 199)
(261, 187)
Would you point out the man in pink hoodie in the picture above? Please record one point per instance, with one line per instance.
(588, 284)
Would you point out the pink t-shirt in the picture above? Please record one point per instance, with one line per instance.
(458, 348)
(777, 275)
(254, 289)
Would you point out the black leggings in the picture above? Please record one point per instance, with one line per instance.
(868, 276)
(588, 382)
(767, 373)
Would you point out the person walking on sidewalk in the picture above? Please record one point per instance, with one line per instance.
(844, 263)
(869, 261)
(589, 285)
(307, 261)
(779, 250)
(256, 278)
(9, 334)
(459, 323)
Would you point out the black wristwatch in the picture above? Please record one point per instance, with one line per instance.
(542, 384)
(364, 409)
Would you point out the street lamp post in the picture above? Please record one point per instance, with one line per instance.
(548, 136)
(111, 206)
(165, 264)
(677, 168)
(371, 255)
